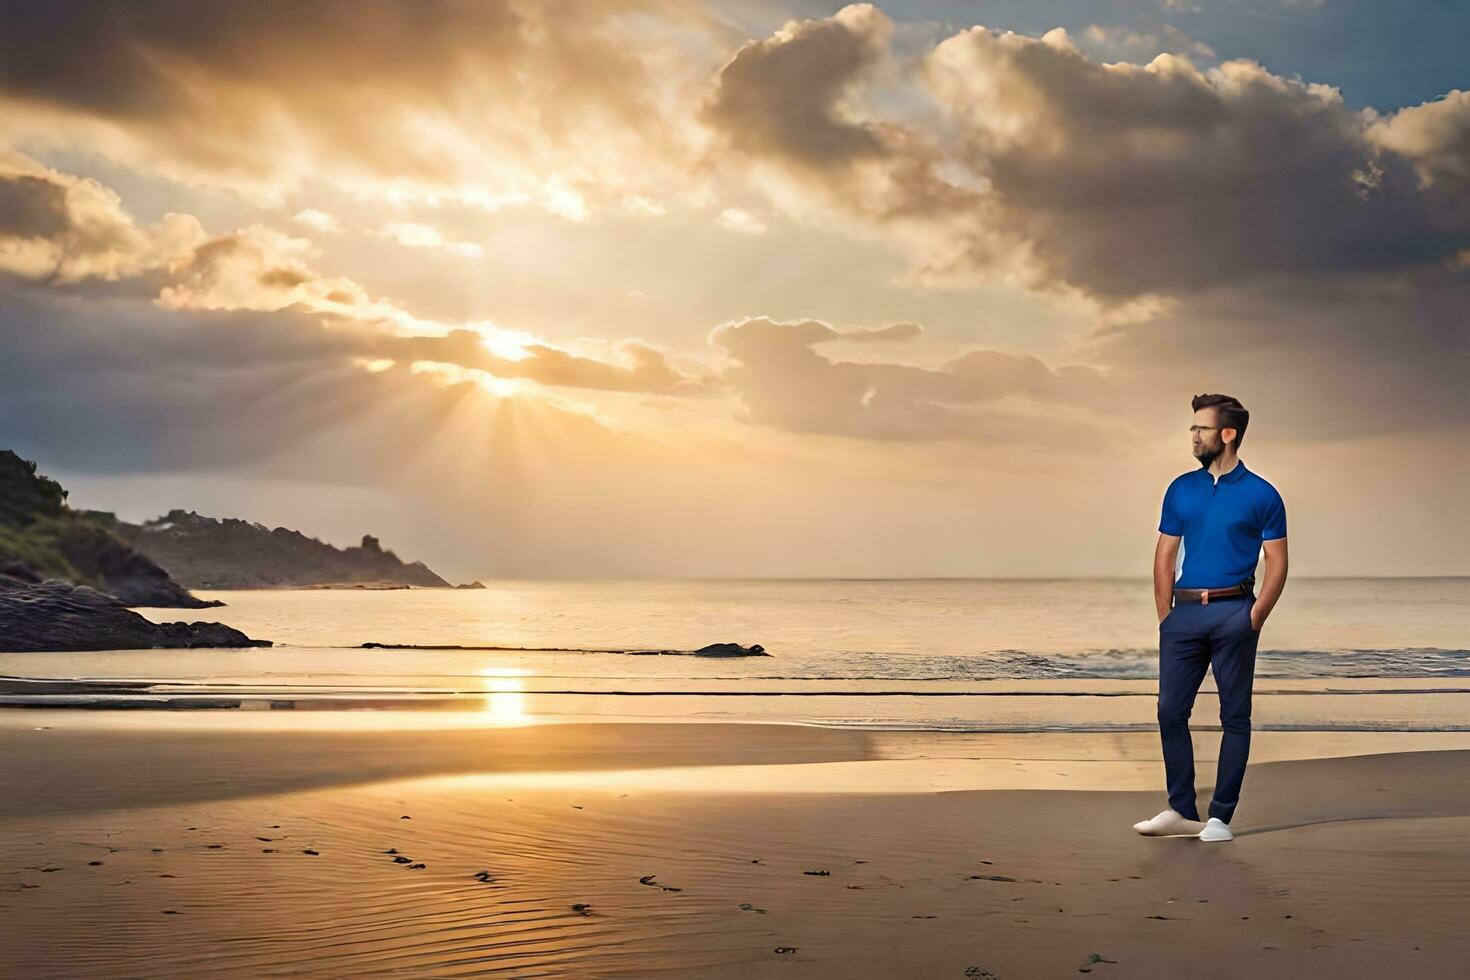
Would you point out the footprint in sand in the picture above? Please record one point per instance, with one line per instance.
(648, 880)
(1091, 959)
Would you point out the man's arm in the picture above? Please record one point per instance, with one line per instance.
(1273, 580)
(1166, 553)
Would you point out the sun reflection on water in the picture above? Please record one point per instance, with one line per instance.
(505, 702)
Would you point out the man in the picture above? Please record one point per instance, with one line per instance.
(1209, 616)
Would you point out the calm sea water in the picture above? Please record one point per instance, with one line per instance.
(929, 653)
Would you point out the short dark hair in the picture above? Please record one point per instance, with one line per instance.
(1230, 413)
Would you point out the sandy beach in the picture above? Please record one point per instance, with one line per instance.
(133, 845)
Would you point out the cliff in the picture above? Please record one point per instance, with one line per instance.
(66, 579)
(38, 531)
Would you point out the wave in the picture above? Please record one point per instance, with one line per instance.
(1010, 664)
(1122, 664)
(963, 726)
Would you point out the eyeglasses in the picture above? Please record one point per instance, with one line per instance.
(1198, 428)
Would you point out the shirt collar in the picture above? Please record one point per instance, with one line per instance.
(1235, 473)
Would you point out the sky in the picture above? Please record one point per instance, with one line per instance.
(669, 288)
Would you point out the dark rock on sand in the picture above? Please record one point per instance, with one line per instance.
(476, 584)
(53, 615)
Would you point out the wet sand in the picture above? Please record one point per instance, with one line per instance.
(744, 850)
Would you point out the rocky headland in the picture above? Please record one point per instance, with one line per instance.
(38, 531)
(66, 579)
(229, 553)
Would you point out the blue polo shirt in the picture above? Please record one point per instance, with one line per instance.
(1223, 523)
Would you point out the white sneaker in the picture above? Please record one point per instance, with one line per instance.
(1216, 829)
(1169, 823)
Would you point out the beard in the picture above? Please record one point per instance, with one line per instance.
(1206, 454)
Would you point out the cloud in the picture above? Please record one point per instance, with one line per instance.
(317, 220)
(642, 368)
(1436, 137)
(63, 229)
(786, 95)
(982, 395)
(58, 230)
(1050, 169)
(121, 386)
(1125, 44)
(736, 219)
(492, 101)
(415, 235)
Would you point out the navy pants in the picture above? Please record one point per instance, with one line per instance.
(1217, 635)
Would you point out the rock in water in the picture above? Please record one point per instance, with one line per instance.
(731, 650)
(55, 615)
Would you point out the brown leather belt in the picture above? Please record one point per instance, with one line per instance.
(1203, 596)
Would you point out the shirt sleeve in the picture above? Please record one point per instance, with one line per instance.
(1274, 526)
(1169, 522)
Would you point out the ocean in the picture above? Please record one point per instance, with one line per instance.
(922, 654)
